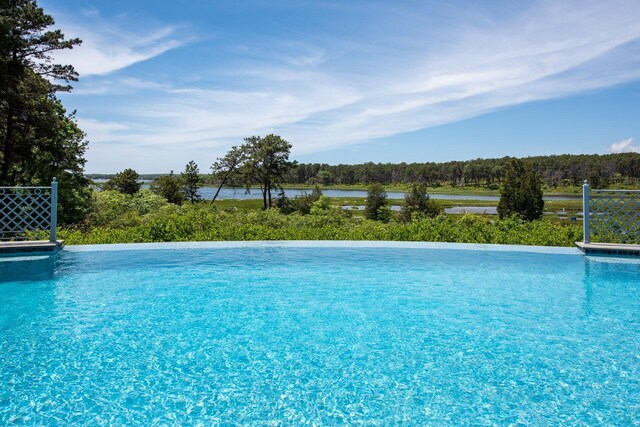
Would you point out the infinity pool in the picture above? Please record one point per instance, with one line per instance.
(319, 334)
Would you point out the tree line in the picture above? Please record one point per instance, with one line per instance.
(555, 171)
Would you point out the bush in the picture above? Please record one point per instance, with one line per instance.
(112, 208)
(418, 204)
(521, 192)
(376, 206)
(301, 203)
(145, 219)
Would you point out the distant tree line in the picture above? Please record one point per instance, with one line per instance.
(555, 171)
(265, 162)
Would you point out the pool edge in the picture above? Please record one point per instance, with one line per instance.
(559, 250)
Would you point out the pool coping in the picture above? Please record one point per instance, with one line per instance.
(30, 247)
(558, 250)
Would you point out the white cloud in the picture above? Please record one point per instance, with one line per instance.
(107, 47)
(625, 146)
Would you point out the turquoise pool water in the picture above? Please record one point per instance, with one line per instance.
(285, 334)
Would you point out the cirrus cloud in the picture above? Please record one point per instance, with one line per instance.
(324, 92)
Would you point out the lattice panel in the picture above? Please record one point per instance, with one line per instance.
(615, 216)
(24, 209)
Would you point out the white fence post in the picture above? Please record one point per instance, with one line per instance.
(54, 210)
(585, 212)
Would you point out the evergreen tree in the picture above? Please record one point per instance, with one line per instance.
(126, 182)
(267, 164)
(376, 205)
(521, 192)
(169, 187)
(191, 182)
(417, 202)
(38, 138)
(225, 168)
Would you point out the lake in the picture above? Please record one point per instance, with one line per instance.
(239, 193)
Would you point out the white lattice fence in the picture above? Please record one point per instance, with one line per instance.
(612, 216)
(28, 209)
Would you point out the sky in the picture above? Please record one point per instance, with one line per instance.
(164, 82)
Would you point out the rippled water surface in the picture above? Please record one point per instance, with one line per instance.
(326, 336)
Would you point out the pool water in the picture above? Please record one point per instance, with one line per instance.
(296, 334)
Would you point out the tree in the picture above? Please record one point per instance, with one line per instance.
(324, 177)
(301, 203)
(169, 187)
(25, 57)
(376, 205)
(267, 163)
(521, 192)
(38, 138)
(225, 168)
(417, 202)
(191, 182)
(126, 182)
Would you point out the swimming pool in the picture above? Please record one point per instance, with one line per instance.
(320, 333)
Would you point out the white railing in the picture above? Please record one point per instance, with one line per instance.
(28, 209)
(611, 216)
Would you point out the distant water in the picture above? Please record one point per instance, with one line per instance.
(241, 194)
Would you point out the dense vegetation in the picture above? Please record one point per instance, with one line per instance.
(521, 192)
(38, 138)
(259, 161)
(555, 171)
(146, 217)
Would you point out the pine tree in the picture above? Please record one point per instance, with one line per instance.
(267, 164)
(417, 202)
(191, 182)
(376, 205)
(169, 187)
(25, 58)
(521, 192)
(38, 138)
(126, 182)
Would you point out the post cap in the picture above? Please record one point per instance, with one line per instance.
(55, 179)
(585, 182)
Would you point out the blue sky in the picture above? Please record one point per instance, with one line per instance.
(165, 82)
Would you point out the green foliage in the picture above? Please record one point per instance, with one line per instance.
(38, 139)
(566, 171)
(169, 187)
(321, 206)
(226, 168)
(115, 209)
(324, 177)
(266, 165)
(301, 203)
(376, 205)
(126, 182)
(521, 192)
(145, 217)
(191, 182)
(417, 203)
